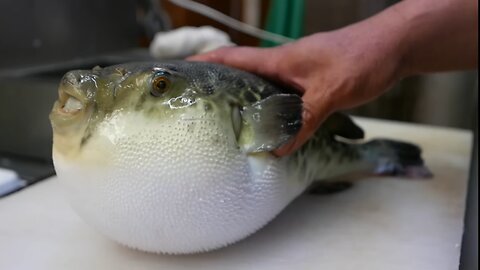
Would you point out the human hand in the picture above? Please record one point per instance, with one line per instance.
(332, 71)
(351, 66)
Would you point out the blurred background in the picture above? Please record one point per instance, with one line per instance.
(41, 40)
(446, 99)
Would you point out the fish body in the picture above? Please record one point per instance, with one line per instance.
(174, 157)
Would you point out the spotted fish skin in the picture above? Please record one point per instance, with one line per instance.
(174, 157)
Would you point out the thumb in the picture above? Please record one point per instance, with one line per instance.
(261, 61)
(313, 115)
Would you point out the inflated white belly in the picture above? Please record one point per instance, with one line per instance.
(170, 188)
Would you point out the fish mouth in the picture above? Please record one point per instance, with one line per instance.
(71, 100)
(70, 112)
(76, 89)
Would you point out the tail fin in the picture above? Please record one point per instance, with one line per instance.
(395, 158)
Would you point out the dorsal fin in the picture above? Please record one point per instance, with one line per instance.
(342, 125)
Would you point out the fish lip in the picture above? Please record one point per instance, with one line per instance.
(75, 92)
(67, 91)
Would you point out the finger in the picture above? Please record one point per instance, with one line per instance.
(211, 56)
(256, 60)
(307, 130)
(313, 115)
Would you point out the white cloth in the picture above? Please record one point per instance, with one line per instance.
(9, 181)
(186, 41)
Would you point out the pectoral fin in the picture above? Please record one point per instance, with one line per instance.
(269, 123)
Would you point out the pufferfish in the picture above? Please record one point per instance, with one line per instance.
(175, 157)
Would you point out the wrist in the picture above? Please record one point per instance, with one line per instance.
(393, 35)
(380, 48)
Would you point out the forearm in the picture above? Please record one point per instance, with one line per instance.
(440, 35)
(425, 35)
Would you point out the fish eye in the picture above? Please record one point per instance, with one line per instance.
(160, 85)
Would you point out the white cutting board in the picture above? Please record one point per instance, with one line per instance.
(379, 224)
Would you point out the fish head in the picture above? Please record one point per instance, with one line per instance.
(86, 94)
(89, 98)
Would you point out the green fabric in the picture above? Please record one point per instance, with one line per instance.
(285, 17)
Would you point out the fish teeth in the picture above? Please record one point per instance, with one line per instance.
(72, 105)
